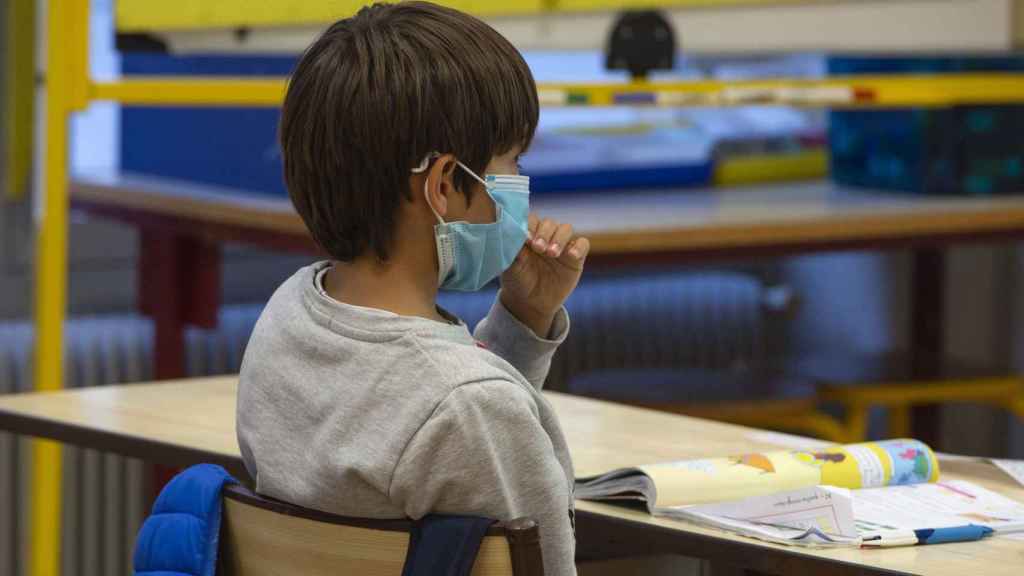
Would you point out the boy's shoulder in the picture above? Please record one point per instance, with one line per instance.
(467, 361)
(436, 358)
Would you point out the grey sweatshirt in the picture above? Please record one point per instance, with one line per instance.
(366, 413)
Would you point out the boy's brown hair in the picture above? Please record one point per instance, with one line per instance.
(378, 92)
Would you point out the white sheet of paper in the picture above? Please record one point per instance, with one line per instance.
(810, 537)
(790, 514)
(941, 505)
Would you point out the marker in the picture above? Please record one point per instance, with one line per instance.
(968, 533)
(891, 539)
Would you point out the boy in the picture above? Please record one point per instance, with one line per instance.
(359, 396)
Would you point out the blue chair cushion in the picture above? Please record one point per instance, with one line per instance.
(181, 536)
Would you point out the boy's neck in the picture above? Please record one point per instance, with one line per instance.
(392, 286)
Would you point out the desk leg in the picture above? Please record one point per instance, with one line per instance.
(160, 273)
(178, 285)
(928, 294)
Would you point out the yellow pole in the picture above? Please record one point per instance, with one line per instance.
(20, 91)
(67, 35)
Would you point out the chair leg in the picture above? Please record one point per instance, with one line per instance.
(1016, 407)
(857, 422)
(899, 421)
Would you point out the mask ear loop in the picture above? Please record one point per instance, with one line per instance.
(426, 183)
(473, 174)
(426, 164)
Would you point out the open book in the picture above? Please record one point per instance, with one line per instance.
(832, 496)
(671, 484)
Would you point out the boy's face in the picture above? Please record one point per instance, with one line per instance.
(481, 209)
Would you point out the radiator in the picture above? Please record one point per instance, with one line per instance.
(719, 320)
(698, 320)
(104, 495)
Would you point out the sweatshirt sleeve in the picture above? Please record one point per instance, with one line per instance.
(484, 453)
(509, 338)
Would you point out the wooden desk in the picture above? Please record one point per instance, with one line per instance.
(190, 421)
(183, 224)
(691, 224)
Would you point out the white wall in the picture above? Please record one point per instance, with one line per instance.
(95, 133)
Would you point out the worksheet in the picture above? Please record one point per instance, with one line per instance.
(819, 516)
(824, 516)
(940, 505)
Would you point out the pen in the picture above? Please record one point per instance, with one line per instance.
(968, 533)
(891, 539)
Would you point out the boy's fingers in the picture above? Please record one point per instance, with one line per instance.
(559, 240)
(579, 248)
(542, 236)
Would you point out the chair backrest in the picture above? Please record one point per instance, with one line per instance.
(263, 537)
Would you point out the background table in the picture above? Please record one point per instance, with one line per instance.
(183, 225)
(686, 224)
(191, 421)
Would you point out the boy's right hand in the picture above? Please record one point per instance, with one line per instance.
(545, 273)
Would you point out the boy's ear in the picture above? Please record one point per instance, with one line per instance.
(440, 185)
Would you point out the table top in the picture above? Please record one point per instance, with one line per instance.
(189, 421)
(794, 217)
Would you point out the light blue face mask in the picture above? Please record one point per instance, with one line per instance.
(469, 255)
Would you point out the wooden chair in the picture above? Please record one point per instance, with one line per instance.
(861, 383)
(264, 537)
(899, 397)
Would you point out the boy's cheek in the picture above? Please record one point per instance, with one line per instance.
(482, 210)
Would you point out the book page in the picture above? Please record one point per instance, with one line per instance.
(941, 505)
(819, 516)
(828, 509)
(746, 475)
(721, 479)
(875, 464)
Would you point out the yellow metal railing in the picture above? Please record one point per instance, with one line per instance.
(17, 112)
(937, 90)
(63, 89)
